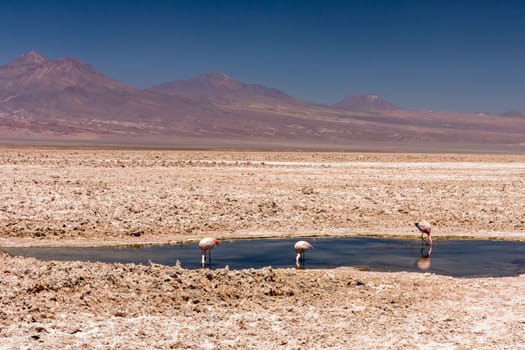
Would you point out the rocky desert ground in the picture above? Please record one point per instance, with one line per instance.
(110, 196)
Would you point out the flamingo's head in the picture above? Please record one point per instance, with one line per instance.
(216, 241)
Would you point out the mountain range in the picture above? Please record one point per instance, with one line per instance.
(67, 101)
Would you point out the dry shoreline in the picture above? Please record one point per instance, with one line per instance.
(72, 197)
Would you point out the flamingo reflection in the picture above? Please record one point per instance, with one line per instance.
(423, 262)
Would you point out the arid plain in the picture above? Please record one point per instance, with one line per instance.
(111, 196)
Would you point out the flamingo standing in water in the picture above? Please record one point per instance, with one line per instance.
(300, 247)
(424, 228)
(206, 245)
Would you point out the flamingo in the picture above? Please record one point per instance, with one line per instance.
(300, 247)
(206, 245)
(424, 227)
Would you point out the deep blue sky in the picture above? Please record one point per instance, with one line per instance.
(442, 55)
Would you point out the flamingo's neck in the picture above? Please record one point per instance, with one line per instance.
(429, 240)
(297, 259)
(203, 258)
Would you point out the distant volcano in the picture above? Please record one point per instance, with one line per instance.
(37, 81)
(219, 86)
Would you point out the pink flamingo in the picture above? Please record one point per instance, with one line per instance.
(300, 247)
(206, 245)
(424, 228)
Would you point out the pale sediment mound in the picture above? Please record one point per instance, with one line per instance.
(79, 304)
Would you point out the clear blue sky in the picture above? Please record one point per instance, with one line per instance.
(442, 55)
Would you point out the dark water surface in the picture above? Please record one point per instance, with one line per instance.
(459, 258)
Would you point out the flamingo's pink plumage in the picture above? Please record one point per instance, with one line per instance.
(300, 247)
(425, 228)
(206, 245)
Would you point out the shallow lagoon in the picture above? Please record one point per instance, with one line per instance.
(458, 258)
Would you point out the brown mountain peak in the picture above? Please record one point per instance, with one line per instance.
(30, 58)
(214, 76)
(215, 79)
